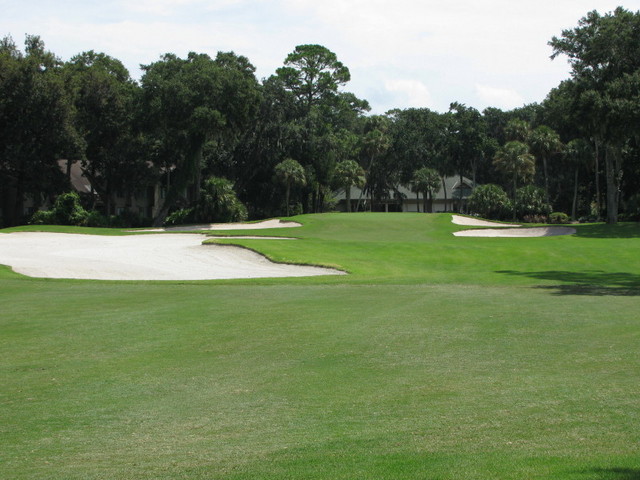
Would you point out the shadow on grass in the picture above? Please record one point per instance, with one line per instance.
(590, 282)
(614, 473)
(602, 230)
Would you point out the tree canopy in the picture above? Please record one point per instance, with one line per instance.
(203, 117)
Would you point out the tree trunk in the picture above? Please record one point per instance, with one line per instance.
(444, 190)
(198, 172)
(546, 179)
(597, 168)
(460, 209)
(287, 197)
(359, 200)
(418, 201)
(515, 182)
(612, 185)
(347, 191)
(575, 196)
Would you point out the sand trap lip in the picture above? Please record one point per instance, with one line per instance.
(139, 257)
(474, 222)
(273, 223)
(517, 232)
(248, 237)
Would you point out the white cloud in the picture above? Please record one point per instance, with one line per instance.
(502, 98)
(462, 49)
(412, 93)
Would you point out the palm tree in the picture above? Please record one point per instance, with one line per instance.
(349, 174)
(514, 159)
(290, 172)
(517, 130)
(427, 181)
(545, 142)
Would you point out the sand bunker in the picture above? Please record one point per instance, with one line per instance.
(138, 257)
(273, 223)
(506, 230)
(474, 222)
(517, 232)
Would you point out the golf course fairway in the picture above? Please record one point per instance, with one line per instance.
(435, 357)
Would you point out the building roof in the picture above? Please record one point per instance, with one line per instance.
(79, 182)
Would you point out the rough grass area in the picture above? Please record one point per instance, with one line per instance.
(437, 358)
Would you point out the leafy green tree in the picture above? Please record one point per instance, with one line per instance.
(323, 115)
(289, 172)
(375, 143)
(514, 160)
(466, 140)
(545, 143)
(349, 174)
(604, 53)
(517, 130)
(105, 100)
(36, 126)
(313, 73)
(188, 102)
(427, 181)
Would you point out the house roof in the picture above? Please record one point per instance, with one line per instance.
(79, 182)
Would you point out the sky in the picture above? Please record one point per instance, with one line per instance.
(401, 53)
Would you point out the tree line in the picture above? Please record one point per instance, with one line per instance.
(225, 146)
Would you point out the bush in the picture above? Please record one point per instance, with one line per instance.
(559, 218)
(219, 203)
(530, 203)
(43, 217)
(180, 217)
(631, 209)
(66, 211)
(535, 219)
(96, 219)
(490, 201)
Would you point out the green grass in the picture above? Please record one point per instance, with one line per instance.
(437, 358)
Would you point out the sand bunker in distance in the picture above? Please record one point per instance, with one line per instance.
(138, 257)
(517, 232)
(474, 222)
(505, 229)
(273, 223)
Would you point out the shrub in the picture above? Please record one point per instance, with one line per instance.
(219, 203)
(66, 211)
(530, 202)
(558, 217)
(631, 209)
(535, 219)
(96, 219)
(180, 217)
(490, 201)
(43, 217)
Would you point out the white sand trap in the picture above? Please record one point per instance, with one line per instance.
(517, 232)
(474, 222)
(138, 257)
(248, 237)
(273, 223)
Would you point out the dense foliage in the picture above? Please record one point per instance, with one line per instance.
(193, 118)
